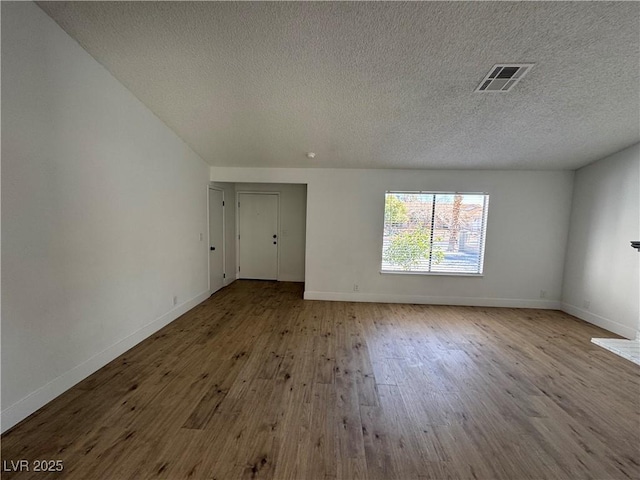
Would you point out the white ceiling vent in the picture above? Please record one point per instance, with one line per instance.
(502, 78)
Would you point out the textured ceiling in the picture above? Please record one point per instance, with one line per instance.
(375, 85)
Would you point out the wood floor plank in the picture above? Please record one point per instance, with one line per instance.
(256, 383)
(322, 449)
(377, 438)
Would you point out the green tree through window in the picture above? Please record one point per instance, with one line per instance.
(434, 232)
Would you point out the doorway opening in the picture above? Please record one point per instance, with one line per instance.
(268, 213)
(217, 272)
(258, 228)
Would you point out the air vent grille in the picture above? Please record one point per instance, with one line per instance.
(502, 78)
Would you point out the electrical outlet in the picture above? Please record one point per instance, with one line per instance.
(356, 287)
(175, 300)
(543, 294)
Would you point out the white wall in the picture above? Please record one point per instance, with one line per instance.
(231, 266)
(102, 209)
(293, 213)
(601, 270)
(526, 234)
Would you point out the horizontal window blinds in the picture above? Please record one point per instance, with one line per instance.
(433, 232)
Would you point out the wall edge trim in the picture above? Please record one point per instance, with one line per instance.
(602, 322)
(433, 300)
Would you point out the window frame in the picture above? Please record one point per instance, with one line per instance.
(483, 230)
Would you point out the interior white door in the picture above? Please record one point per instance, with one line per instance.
(258, 235)
(216, 239)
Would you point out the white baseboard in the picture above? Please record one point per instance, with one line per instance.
(602, 322)
(427, 300)
(290, 278)
(20, 410)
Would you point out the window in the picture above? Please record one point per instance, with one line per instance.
(430, 232)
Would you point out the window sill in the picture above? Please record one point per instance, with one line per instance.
(439, 274)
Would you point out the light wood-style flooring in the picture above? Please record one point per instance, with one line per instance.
(258, 383)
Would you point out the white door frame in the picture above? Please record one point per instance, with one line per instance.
(224, 238)
(238, 193)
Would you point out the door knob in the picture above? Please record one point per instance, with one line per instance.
(212, 248)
